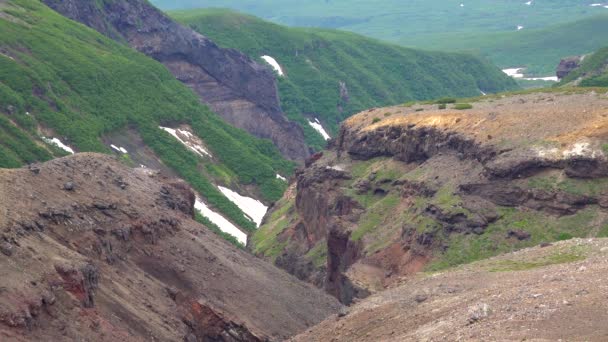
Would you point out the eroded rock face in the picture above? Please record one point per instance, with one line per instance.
(119, 258)
(243, 92)
(567, 65)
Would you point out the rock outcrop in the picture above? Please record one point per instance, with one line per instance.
(397, 193)
(243, 92)
(567, 65)
(117, 256)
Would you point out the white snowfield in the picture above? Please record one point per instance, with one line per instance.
(319, 128)
(518, 73)
(225, 225)
(188, 139)
(58, 143)
(274, 64)
(119, 149)
(599, 5)
(253, 209)
(281, 178)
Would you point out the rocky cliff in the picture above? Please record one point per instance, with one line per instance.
(243, 92)
(410, 188)
(93, 250)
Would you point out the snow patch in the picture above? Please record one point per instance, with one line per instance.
(519, 27)
(529, 3)
(281, 178)
(58, 143)
(119, 149)
(514, 72)
(519, 74)
(254, 209)
(274, 64)
(482, 92)
(319, 128)
(225, 225)
(188, 139)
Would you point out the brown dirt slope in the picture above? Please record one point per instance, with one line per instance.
(539, 294)
(93, 250)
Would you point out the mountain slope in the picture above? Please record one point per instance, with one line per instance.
(412, 188)
(92, 250)
(592, 72)
(479, 26)
(240, 90)
(61, 79)
(331, 75)
(539, 50)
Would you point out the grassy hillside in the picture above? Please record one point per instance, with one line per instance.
(593, 71)
(538, 49)
(486, 27)
(315, 61)
(58, 75)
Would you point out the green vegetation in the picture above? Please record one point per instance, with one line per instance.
(216, 230)
(553, 259)
(375, 215)
(82, 85)
(575, 186)
(318, 254)
(593, 70)
(542, 228)
(316, 61)
(264, 241)
(463, 106)
(552, 29)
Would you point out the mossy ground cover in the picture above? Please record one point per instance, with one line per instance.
(265, 240)
(82, 85)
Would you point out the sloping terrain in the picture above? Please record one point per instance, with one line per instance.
(592, 71)
(539, 294)
(417, 187)
(93, 250)
(238, 89)
(534, 34)
(330, 75)
(61, 80)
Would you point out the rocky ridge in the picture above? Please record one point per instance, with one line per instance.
(243, 92)
(91, 249)
(410, 188)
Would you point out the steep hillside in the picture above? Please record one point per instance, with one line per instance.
(330, 75)
(418, 187)
(240, 90)
(92, 250)
(592, 72)
(540, 294)
(62, 80)
(538, 50)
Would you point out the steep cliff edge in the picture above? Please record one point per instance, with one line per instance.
(93, 250)
(414, 188)
(243, 92)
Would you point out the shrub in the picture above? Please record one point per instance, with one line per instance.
(419, 109)
(442, 106)
(376, 120)
(446, 100)
(463, 106)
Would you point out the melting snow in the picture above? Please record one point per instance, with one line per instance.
(518, 73)
(580, 149)
(188, 139)
(119, 149)
(529, 3)
(225, 225)
(58, 143)
(254, 209)
(319, 128)
(274, 64)
(281, 178)
(519, 27)
(514, 72)
(482, 93)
